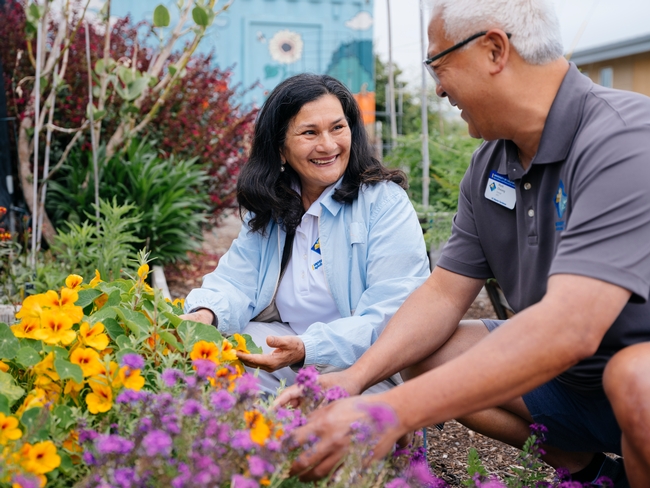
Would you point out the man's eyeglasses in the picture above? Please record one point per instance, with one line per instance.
(427, 62)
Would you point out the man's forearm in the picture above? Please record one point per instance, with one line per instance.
(533, 347)
(423, 323)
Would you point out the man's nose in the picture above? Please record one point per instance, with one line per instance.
(440, 91)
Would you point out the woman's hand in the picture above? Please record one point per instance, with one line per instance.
(203, 315)
(288, 350)
(292, 396)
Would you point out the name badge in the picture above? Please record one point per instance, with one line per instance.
(501, 190)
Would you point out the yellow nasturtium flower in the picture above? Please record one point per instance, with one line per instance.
(88, 360)
(96, 280)
(72, 388)
(36, 398)
(241, 344)
(93, 336)
(131, 378)
(73, 281)
(4, 367)
(101, 398)
(41, 458)
(228, 352)
(9, 430)
(56, 327)
(46, 368)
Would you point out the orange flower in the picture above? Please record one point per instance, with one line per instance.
(259, 427)
(101, 300)
(56, 327)
(26, 328)
(72, 442)
(101, 398)
(4, 367)
(131, 378)
(9, 430)
(46, 368)
(89, 361)
(72, 388)
(73, 281)
(205, 350)
(143, 271)
(36, 398)
(41, 458)
(93, 337)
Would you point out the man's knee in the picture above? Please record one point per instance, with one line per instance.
(627, 382)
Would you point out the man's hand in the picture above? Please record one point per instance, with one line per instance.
(202, 315)
(331, 426)
(292, 396)
(288, 350)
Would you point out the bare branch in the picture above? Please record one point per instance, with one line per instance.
(64, 156)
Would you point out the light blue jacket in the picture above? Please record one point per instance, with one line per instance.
(373, 255)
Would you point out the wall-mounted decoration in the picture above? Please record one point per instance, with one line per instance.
(361, 21)
(286, 47)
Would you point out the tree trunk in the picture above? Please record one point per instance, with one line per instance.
(27, 177)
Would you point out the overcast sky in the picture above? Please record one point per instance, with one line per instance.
(604, 21)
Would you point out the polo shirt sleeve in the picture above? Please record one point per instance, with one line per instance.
(608, 226)
(463, 254)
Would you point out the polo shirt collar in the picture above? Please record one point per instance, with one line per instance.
(328, 202)
(560, 128)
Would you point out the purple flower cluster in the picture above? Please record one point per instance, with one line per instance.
(133, 361)
(113, 444)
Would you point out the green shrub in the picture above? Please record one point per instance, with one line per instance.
(165, 193)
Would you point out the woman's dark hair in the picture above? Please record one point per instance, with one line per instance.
(266, 191)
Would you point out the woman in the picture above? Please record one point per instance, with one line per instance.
(330, 245)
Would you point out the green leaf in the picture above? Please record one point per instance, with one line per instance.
(136, 87)
(161, 16)
(174, 319)
(200, 16)
(251, 346)
(9, 388)
(33, 419)
(169, 338)
(99, 66)
(113, 329)
(9, 344)
(172, 70)
(114, 299)
(65, 416)
(4, 405)
(192, 332)
(67, 370)
(123, 342)
(34, 12)
(86, 297)
(59, 352)
(105, 313)
(27, 357)
(136, 322)
(66, 466)
(125, 74)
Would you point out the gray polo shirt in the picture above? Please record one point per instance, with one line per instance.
(582, 207)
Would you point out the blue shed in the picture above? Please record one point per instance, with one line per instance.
(265, 41)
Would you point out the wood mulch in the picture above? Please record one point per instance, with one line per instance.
(447, 450)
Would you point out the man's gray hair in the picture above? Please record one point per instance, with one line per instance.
(533, 24)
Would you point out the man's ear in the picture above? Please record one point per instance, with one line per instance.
(499, 49)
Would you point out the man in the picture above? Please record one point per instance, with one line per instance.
(556, 206)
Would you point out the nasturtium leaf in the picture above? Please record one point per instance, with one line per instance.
(200, 16)
(161, 16)
(114, 298)
(86, 297)
(4, 405)
(169, 338)
(67, 370)
(59, 352)
(27, 357)
(36, 421)
(174, 319)
(9, 388)
(66, 466)
(64, 415)
(123, 342)
(136, 322)
(113, 329)
(192, 332)
(9, 344)
(33, 343)
(251, 346)
(103, 314)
